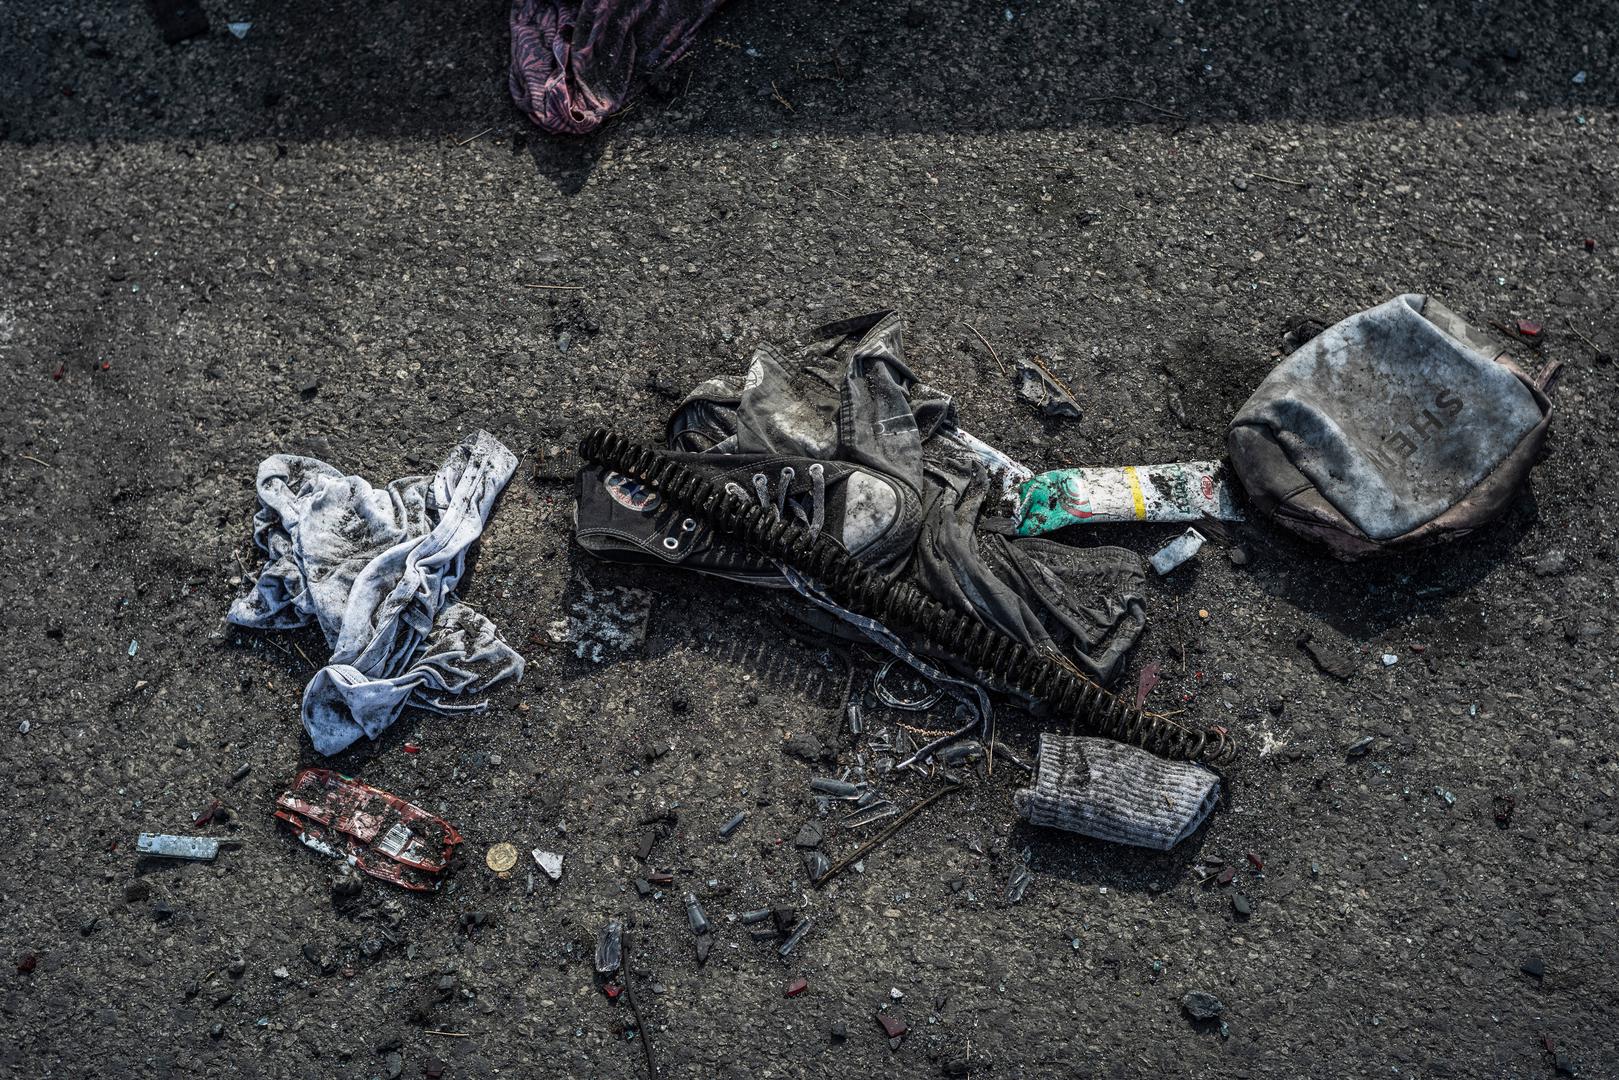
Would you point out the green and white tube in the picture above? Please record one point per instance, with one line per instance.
(1181, 491)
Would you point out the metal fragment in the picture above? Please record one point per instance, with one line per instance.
(797, 935)
(840, 789)
(610, 948)
(696, 917)
(733, 824)
(162, 845)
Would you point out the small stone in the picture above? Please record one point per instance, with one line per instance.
(839, 1031)
(705, 942)
(816, 865)
(892, 1025)
(312, 954)
(1239, 556)
(1202, 1005)
(393, 1066)
(1017, 885)
(434, 1069)
(1240, 183)
(1360, 746)
(1338, 663)
(162, 912)
(1534, 967)
(550, 862)
(643, 887)
(237, 968)
(1551, 564)
(805, 747)
(391, 1041)
(1241, 905)
(281, 973)
(216, 1031)
(137, 891)
(809, 836)
(1389, 659)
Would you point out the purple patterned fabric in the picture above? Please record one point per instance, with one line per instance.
(574, 61)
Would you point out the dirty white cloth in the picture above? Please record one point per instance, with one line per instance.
(378, 571)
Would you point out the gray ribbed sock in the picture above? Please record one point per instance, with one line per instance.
(1118, 793)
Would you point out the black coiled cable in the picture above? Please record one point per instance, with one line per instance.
(905, 608)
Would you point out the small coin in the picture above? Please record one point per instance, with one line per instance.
(501, 858)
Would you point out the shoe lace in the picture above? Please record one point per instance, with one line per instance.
(812, 518)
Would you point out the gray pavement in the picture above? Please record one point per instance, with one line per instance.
(316, 239)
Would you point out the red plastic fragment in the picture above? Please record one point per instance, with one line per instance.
(612, 990)
(379, 833)
(411, 748)
(61, 369)
(796, 987)
(1255, 861)
(1149, 679)
(207, 815)
(1528, 328)
(106, 365)
(893, 1026)
(1590, 243)
(1227, 876)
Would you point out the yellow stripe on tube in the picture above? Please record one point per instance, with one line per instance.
(1136, 496)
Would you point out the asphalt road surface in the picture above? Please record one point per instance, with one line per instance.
(316, 238)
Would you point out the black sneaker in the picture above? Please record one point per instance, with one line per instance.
(620, 519)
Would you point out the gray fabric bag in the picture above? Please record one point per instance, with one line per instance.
(1399, 427)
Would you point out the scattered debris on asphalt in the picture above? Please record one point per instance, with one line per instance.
(1039, 387)
(861, 852)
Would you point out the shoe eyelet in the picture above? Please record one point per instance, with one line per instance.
(671, 543)
(687, 526)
